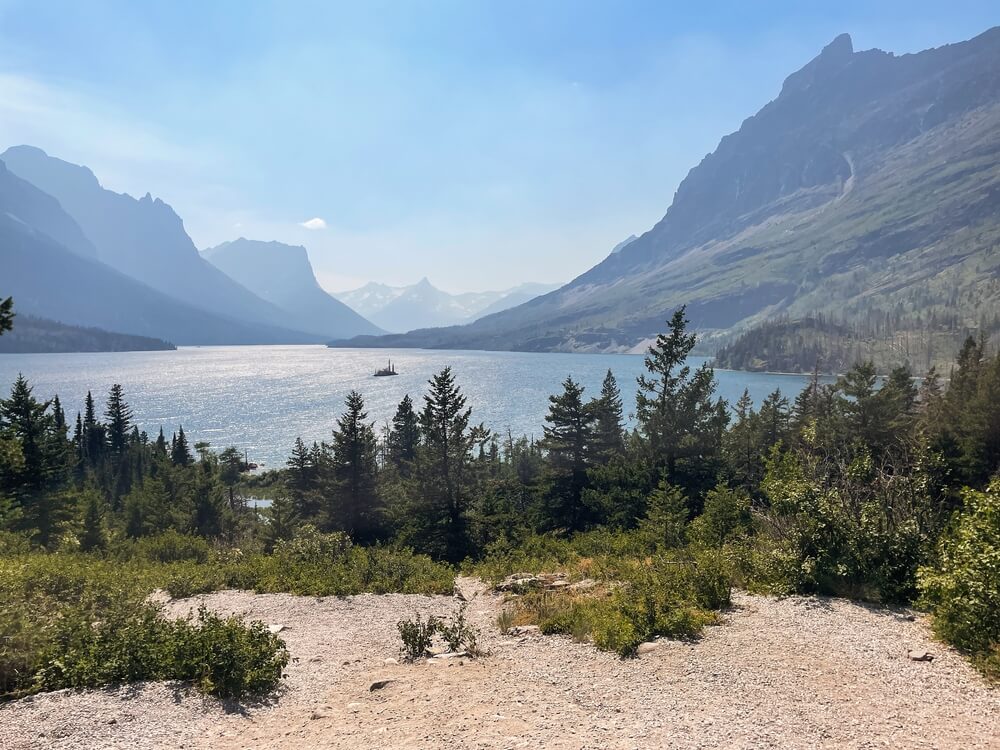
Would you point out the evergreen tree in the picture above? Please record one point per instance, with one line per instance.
(608, 433)
(436, 517)
(180, 453)
(404, 437)
(301, 480)
(230, 470)
(353, 504)
(160, 446)
(677, 416)
(6, 315)
(567, 445)
(37, 481)
(280, 522)
(666, 516)
(119, 417)
(92, 537)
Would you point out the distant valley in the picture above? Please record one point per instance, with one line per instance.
(422, 305)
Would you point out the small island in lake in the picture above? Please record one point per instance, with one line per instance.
(387, 370)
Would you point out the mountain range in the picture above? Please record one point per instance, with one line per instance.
(422, 305)
(869, 188)
(75, 252)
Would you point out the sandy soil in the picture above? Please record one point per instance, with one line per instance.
(790, 673)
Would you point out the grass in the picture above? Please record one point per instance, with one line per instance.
(639, 593)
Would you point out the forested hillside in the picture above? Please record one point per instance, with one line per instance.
(40, 335)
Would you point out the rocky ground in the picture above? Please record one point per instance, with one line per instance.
(789, 673)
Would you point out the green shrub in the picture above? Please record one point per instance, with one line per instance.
(170, 547)
(458, 634)
(963, 588)
(226, 657)
(80, 621)
(417, 635)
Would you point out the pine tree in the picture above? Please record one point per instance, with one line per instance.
(352, 500)
(280, 522)
(666, 516)
(608, 438)
(119, 417)
(404, 436)
(436, 518)
(180, 454)
(160, 446)
(301, 480)
(567, 445)
(6, 315)
(92, 537)
(678, 419)
(40, 474)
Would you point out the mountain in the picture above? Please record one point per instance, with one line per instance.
(869, 188)
(31, 334)
(283, 275)
(422, 305)
(49, 280)
(142, 238)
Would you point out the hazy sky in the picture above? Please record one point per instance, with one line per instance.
(478, 143)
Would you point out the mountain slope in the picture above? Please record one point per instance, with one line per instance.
(869, 187)
(21, 199)
(48, 280)
(143, 238)
(283, 275)
(31, 334)
(422, 305)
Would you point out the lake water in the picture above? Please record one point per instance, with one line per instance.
(260, 398)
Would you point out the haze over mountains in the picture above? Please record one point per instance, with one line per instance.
(422, 305)
(77, 253)
(282, 275)
(869, 188)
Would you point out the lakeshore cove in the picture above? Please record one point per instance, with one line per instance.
(260, 398)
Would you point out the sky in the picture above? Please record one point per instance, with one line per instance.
(480, 144)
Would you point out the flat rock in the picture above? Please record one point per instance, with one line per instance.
(276, 628)
(919, 655)
(647, 648)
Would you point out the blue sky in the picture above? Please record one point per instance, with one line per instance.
(480, 144)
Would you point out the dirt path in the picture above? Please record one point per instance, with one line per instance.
(778, 673)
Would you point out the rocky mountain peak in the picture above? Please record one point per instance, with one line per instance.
(834, 57)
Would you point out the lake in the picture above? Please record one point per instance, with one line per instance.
(260, 398)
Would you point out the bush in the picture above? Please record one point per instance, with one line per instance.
(963, 588)
(225, 656)
(458, 635)
(170, 547)
(417, 635)
(78, 621)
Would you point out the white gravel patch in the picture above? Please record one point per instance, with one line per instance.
(788, 673)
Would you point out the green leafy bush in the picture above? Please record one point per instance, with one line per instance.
(417, 635)
(79, 621)
(963, 588)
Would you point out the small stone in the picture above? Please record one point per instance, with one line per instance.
(919, 655)
(112, 720)
(390, 660)
(276, 628)
(647, 648)
(378, 685)
(315, 715)
(316, 659)
(355, 707)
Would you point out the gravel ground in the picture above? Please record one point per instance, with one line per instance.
(789, 673)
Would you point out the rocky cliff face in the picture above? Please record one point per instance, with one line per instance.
(283, 275)
(869, 186)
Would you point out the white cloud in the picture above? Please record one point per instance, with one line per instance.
(314, 223)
